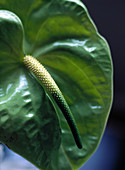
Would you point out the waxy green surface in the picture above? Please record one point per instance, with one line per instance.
(61, 35)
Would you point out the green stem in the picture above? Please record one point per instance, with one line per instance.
(45, 78)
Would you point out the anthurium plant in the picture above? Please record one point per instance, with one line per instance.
(55, 82)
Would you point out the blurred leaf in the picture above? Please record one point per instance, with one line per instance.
(62, 36)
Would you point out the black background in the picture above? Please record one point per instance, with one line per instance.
(109, 17)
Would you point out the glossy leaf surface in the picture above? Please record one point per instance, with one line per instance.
(61, 35)
(28, 123)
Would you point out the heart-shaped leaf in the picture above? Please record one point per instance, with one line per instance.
(28, 123)
(61, 35)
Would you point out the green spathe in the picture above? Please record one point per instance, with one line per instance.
(61, 35)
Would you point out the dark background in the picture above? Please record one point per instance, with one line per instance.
(109, 17)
